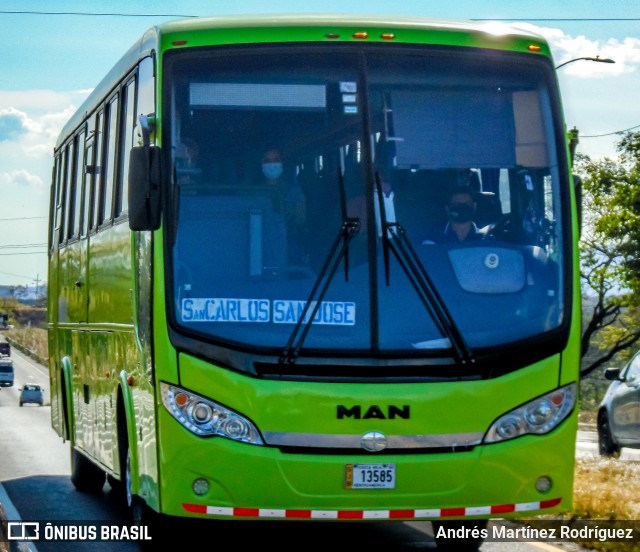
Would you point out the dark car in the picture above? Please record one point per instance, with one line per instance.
(6, 372)
(31, 393)
(619, 411)
(5, 348)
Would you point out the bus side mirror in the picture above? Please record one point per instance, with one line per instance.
(144, 188)
(577, 187)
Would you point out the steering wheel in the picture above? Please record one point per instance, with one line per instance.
(501, 228)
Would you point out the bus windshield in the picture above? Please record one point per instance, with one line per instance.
(444, 163)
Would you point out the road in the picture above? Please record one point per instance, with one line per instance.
(587, 447)
(34, 476)
(27, 370)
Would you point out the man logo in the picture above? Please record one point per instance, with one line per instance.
(374, 412)
(373, 441)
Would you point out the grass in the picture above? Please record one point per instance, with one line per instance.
(34, 340)
(605, 490)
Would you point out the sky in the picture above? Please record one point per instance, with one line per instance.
(56, 51)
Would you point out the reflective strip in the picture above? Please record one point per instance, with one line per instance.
(326, 440)
(431, 513)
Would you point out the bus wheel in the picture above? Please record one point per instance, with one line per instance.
(85, 475)
(141, 514)
(458, 535)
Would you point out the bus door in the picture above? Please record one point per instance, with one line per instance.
(73, 254)
(86, 428)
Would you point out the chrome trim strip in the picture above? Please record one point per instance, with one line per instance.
(324, 440)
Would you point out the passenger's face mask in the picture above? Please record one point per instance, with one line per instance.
(272, 171)
(461, 212)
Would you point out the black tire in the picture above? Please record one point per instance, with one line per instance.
(606, 446)
(21, 404)
(158, 527)
(85, 475)
(451, 539)
(141, 514)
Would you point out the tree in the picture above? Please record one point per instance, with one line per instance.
(18, 292)
(41, 297)
(610, 253)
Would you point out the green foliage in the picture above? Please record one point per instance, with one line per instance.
(610, 252)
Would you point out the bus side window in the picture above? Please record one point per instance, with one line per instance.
(66, 227)
(88, 178)
(146, 96)
(110, 167)
(56, 202)
(129, 121)
(78, 185)
(98, 172)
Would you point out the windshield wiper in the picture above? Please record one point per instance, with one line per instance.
(339, 250)
(410, 263)
(345, 220)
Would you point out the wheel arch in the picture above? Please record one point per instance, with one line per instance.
(66, 392)
(126, 424)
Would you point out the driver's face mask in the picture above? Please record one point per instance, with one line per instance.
(461, 212)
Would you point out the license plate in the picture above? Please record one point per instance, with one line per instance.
(370, 476)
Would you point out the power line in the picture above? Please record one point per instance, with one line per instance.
(27, 253)
(119, 14)
(16, 275)
(22, 218)
(95, 14)
(11, 246)
(609, 133)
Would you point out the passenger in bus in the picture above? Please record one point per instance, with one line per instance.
(292, 195)
(460, 226)
(293, 201)
(188, 170)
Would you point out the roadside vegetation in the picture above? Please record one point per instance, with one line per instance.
(605, 489)
(31, 340)
(610, 254)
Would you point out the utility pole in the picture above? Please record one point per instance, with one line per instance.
(37, 282)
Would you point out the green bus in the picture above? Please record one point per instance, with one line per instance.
(260, 303)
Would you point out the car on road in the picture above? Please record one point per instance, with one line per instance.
(6, 372)
(5, 347)
(31, 393)
(619, 411)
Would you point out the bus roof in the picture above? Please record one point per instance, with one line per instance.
(346, 20)
(479, 34)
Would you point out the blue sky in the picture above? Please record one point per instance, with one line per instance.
(51, 62)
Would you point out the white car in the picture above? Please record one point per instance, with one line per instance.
(619, 411)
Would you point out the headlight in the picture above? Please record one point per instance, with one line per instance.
(538, 416)
(207, 418)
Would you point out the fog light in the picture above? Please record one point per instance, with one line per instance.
(543, 484)
(200, 486)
